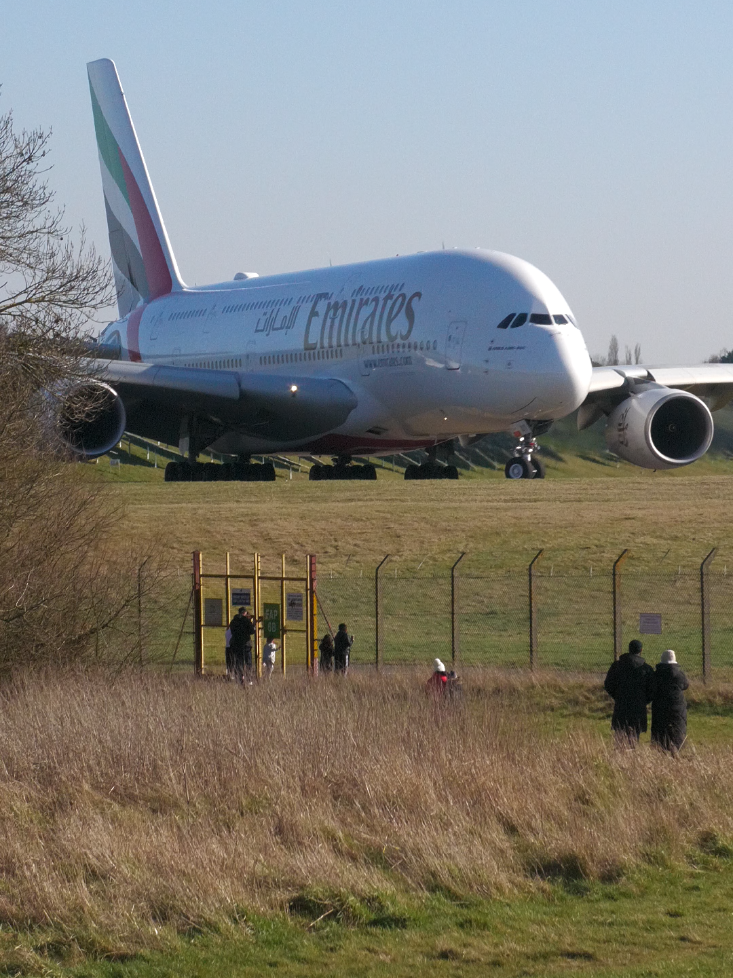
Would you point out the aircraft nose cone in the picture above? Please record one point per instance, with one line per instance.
(567, 370)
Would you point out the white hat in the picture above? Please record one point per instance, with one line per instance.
(668, 656)
(438, 666)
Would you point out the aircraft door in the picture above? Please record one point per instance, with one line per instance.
(210, 321)
(454, 344)
(155, 325)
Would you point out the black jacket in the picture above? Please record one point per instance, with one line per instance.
(669, 708)
(630, 681)
(242, 630)
(341, 644)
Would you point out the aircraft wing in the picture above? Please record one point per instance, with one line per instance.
(713, 382)
(268, 407)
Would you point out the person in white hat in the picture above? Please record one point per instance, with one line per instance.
(437, 685)
(669, 708)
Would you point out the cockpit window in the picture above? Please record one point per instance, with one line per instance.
(520, 320)
(505, 322)
(560, 320)
(541, 319)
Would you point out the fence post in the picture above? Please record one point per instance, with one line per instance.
(705, 614)
(377, 618)
(533, 612)
(454, 631)
(198, 615)
(228, 591)
(617, 621)
(311, 659)
(258, 612)
(283, 613)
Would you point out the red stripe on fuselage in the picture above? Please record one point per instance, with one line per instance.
(156, 267)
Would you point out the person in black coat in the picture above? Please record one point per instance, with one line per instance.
(669, 709)
(630, 681)
(242, 628)
(342, 649)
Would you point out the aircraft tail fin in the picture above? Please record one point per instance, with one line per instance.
(142, 258)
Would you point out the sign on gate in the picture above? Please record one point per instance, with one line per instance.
(213, 612)
(650, 624)
(271, 621)
(294, 607)
(241, 597)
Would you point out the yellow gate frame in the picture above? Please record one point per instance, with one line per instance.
(257, 577)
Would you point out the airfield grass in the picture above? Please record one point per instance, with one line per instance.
(157, 826)
(667, 521)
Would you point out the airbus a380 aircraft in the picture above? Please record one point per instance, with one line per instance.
(367, 359)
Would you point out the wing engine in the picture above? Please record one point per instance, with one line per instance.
(90, 418)
(660, 428)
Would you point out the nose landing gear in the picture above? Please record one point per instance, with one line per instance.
(524, 464)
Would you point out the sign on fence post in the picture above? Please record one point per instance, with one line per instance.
(650, 624)
(241, 597)
(212, 612)
(271, 621)
(294, 606)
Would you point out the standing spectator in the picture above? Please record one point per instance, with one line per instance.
(342, 649)
(669, 708)
(242, 628)
(630, 681)
(326, 650)
(228, 652)
(437, 685)
(268, 658)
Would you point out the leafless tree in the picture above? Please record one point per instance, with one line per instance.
(637, 353)
(612, 356)
(61, 587)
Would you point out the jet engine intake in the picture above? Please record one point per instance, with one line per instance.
(90, 418)
(660, 428)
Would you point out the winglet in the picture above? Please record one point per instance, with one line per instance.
(142, 258)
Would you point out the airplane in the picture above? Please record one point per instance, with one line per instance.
(374, 358)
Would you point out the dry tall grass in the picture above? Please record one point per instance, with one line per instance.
(150, 804)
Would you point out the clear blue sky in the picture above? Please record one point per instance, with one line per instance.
(591, 137)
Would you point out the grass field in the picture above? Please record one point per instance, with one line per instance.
(163, 827)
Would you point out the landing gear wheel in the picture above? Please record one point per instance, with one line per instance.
(316, 473)
(539, 468)
(410, 472)
(451, 472)
(519, 468)
(172, 472)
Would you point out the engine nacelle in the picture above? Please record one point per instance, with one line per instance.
(660, 428)
(90, 418)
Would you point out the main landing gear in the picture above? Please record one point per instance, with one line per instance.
(342, 469)
(524, 464)
(431, 469)
(240, 471)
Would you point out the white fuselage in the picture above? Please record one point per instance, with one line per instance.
(417, 339)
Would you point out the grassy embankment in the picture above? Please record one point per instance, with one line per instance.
(161, 827)
(669, 524)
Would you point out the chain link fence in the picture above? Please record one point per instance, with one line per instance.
(476, 614)
(477, 611)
